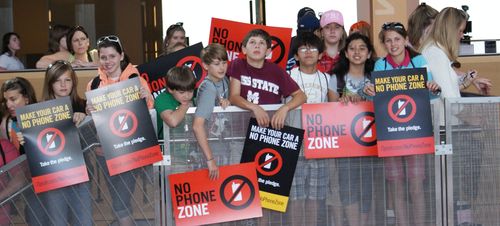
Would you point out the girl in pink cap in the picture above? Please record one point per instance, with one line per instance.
(334, 35)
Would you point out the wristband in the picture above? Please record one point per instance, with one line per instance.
(210, 159)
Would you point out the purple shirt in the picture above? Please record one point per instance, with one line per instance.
(266, 85)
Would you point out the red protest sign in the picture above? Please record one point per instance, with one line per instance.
(198, 200)
(335, 130)
(230, 34)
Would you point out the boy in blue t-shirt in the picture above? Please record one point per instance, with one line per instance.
(213, 91)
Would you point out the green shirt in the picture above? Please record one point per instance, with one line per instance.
(164, 101)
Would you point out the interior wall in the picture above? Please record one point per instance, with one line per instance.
(32, 25)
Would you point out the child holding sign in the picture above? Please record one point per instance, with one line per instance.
(115, 67)
(255, 81)
(18, 92)
(213, 91)
(61, 81)
(351, 73)
(310, 182)
(394, 37)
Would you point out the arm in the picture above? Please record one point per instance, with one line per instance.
(78, 63)
(44, 62)
(202, 138)
(278, 119)
(332, 96)
(3, 65)
(235, 98)
(442, 72)
(173, 118)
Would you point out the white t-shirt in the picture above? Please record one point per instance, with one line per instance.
(11, 63)
(315, 86)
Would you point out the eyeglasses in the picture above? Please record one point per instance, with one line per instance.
(393, 25)
(110, 38)
(305, 49)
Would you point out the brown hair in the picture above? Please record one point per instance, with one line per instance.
(258, 33)
(56, 33)
(418, 21)
(180, 78)
(169, 33)
(54, 71)
(21, 84)
(214, 51)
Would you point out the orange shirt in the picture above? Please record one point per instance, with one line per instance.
(129, 70)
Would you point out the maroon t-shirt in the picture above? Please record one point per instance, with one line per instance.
(266, 85)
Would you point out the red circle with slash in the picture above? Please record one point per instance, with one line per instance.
(44, 148)
(407, 101)
(115, 118)
(276, 156)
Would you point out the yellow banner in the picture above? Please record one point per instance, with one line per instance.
(273, 201)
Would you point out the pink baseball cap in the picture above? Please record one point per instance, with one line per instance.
(331, 16)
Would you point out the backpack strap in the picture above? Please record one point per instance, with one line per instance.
(95, 83)
(3, 155)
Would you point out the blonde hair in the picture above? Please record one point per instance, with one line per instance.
(445, 31)
(418, 21)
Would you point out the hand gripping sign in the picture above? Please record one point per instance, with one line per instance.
(198, 200)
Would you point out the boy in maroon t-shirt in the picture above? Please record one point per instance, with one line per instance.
(255, 81)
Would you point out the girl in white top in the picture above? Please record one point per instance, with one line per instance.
(11, 43)
(441, 47)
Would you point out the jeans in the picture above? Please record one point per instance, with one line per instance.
(121, 188)
(73, 200)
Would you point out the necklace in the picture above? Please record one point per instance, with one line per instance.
(224, 90)
(308, 93)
